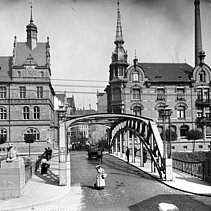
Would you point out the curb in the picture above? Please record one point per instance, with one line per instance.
(163, 182)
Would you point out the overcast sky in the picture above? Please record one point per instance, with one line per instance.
(82, 34)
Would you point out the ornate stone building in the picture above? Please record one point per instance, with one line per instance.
(146, 89)
(26, 93)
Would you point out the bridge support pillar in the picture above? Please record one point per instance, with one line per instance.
(133, 145)
(116, 146)
(62, 155)
(141, 155)
(120, 140)
(169, 172)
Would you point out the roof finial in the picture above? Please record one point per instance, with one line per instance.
(119, 37)
(31, 19)
(135, 61)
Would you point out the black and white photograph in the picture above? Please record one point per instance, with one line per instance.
(105, 105)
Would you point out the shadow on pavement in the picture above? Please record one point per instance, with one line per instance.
(183, 202)
(52, 176)
(89, 186)
(49, 178)
(115, 163)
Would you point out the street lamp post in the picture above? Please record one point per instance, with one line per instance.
(166, 113)
(62, 146)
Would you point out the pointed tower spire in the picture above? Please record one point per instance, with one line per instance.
(198, 35)
(119, 56)
(119, 37)
(31, 30)
(31, 20)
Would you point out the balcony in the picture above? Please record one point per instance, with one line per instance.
(203, 120)
(203, 102)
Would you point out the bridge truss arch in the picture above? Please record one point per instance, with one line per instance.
(144, 128)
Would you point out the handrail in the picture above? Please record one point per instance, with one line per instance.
(32, 169)
(195, 168)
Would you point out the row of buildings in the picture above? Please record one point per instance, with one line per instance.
(147, 89)
(27, 103)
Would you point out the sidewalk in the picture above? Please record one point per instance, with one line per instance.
(41, 188)
(181, 181)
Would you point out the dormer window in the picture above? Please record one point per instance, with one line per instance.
(202, 76)
(135, 76)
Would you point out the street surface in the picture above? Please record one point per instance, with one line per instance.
(127, 188)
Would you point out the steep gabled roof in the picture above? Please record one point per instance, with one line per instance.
(22, 52)
(167, 72)
(5, 68)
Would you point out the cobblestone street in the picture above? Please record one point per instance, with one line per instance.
(127, 188)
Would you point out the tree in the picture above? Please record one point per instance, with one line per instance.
(170, 135)
(29, 138)
(3, 139)
(194, 135)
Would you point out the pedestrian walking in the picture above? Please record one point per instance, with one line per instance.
(48, 153)
(44, 165)
(100, 155)
(135, 151)
(128, 154)
(100, 178)
(144, 155)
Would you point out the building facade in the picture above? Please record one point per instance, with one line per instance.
(146, 89)
(26, 93)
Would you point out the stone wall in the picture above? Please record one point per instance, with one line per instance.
(12, 178)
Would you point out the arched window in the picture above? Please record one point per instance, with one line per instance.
(135, 76)
(137, 110)
(202, 76)
(25, 112)
(3, 113)
(33, 131)
(184, 130)
(116, 94)
(3, 135)
(181, 112)
(208, 130)
(36, 112)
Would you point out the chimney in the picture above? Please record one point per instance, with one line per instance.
(198, 36)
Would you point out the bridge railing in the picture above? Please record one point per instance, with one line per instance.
(195, 168)
(32, 168)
